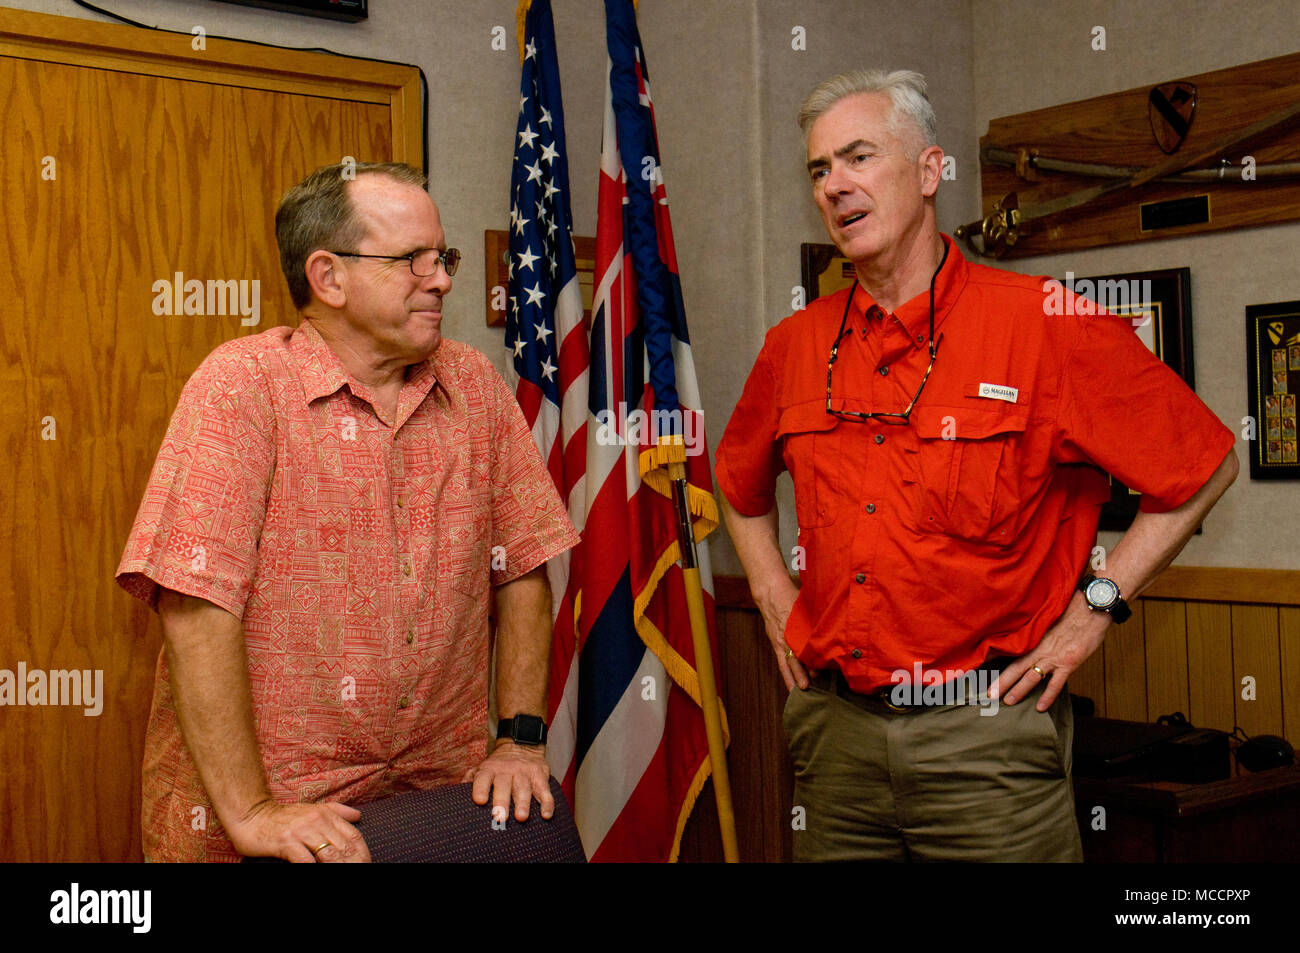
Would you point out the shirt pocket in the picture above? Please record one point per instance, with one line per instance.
(965, 472)
(810, 445)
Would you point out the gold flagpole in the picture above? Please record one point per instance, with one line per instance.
(703, 651)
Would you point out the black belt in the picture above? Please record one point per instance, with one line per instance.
(880, 701)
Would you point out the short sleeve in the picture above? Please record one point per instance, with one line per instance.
(1126, 411)
(749, 457)
(529, 521)
(199, 524)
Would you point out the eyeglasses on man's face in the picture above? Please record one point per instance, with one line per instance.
(423, 262)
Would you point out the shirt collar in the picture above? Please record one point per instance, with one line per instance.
(322, 374)
(914, 314)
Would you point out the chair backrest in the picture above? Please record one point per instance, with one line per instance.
(444, 825)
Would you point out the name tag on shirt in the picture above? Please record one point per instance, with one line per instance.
(1000, 392)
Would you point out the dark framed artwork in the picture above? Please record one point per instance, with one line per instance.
(1272, 381)
(824, 270)
(1160, 306)
(496, 273)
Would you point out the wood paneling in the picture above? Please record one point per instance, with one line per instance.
(165, 160)
(1256, 654)
(1175, 654)
(1126, 668)
(1166, 656)
(1089, 680)
(1211, 691)
(749, 681)
(1274, 587)
(1289, 642)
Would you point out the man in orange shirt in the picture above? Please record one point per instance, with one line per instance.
(943, 427)
(332, 512)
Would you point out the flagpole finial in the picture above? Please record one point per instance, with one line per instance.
(521, 16)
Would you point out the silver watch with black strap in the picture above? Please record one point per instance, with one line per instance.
(1103, 595)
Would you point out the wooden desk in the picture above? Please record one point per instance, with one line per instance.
(1248, 817)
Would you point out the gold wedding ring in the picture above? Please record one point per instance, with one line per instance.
(1040, 672)
(317, 850)
(789, 652)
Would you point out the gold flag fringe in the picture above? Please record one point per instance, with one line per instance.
(692, 794)
(521, 15)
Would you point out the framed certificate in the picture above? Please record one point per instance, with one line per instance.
(1272, 381)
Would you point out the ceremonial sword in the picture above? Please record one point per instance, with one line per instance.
(1000, 228)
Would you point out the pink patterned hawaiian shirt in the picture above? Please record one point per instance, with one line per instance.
(360, 553)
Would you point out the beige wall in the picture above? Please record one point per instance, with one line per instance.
(726, 84)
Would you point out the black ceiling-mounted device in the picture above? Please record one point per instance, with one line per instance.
(350, 11)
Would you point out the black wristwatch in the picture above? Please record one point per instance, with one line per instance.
(1102, 595)
(522, 730)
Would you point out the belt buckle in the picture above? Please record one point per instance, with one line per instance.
(883, 697)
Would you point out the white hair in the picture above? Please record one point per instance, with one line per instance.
(906, 89)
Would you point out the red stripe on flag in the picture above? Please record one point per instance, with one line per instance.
(607, 523)
(651, 814)
(575, 458)
(530, 399)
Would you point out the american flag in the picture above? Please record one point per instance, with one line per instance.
(627, 737)
(545, 330)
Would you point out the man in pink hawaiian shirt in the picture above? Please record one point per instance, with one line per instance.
(331, 514)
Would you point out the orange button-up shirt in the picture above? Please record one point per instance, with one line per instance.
(359, 552)
(960, 535)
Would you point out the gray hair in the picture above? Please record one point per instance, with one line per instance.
(906, 89)
(318, 213)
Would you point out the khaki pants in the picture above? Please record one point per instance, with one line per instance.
(939, 784)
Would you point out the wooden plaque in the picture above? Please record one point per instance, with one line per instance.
(1131, 130)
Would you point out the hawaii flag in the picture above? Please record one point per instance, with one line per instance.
(627, 732)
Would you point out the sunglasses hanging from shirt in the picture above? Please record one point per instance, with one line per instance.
(891, 418)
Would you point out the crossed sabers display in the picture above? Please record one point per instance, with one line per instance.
(1001, 228)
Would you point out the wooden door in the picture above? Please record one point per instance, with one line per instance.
(127, 158)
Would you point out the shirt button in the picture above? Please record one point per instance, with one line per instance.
(410, 636)
(880, 438)
(403, 702)
(884, 370)
(871, 507)
(400, 502)
(406, 569)
(856, 653)
(861, 577)
(920, 338)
